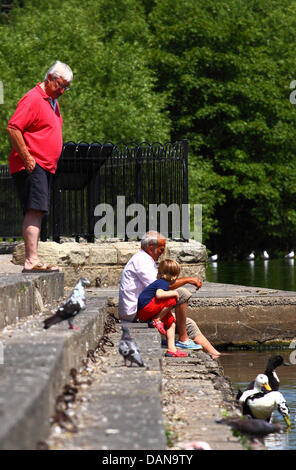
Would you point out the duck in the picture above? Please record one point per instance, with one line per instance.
(273, 380)
(251, 256)
(257, 385)
(265, 255)
(290, 255)
(260, 383)
(214, 258)
(261, 404)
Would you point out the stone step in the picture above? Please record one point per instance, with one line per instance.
(35, 368)
(26, 294)
(125, 410)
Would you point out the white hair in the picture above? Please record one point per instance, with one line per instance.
(59, 69)
(151, 238)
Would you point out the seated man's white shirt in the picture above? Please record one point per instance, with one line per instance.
(139, 272)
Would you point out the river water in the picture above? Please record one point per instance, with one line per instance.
(243, 366)
(273, 273)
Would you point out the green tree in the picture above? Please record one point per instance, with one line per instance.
(226, 68)
(104, 41)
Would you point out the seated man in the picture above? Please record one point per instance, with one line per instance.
(139, 272)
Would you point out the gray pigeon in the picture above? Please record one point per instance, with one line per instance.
(70, 307)
(129, 349)
(252, 427)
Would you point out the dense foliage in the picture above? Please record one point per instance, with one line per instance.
(227, 67)
(215, 72)
(104, 42)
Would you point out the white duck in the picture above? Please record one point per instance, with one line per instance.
(251, 256)
(214, 258)
(260, 404)
(265, 255)
(290, 255)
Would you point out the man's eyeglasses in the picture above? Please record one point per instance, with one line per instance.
(61, 85)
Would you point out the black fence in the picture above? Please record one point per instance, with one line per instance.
(96, 186)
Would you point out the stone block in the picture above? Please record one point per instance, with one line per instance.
(23, 295)
(102, 254)
(193, 270)
(125, 250)
(69, 254)
(99, 276)
(187, 252)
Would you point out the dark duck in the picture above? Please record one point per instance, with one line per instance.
(273, 380)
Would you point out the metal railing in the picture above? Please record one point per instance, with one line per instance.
(91, 174)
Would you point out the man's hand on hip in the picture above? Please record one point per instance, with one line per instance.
(30, 164)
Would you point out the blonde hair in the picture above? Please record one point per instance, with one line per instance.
(169, 270)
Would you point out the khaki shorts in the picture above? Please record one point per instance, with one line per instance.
(191, 328)
(184, 295)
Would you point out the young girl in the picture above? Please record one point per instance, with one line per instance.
(157, 299)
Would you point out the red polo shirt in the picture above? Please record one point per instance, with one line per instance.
(41, 127)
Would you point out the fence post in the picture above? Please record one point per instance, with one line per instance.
(1, 92)
(185, 171)
(185, 182)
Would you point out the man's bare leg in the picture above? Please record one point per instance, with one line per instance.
(206, 345)
(181, 314)
(31, 231)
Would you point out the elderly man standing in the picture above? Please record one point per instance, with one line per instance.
(139, 272)
(35, 131)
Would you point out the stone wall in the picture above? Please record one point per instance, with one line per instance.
(102, 262)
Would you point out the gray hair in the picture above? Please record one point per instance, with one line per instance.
(150, 238)
(59, 69)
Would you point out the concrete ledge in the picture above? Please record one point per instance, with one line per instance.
(22, 295)
(36, 366)
(235, 315)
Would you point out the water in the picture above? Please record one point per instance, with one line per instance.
(273, 273)
(243, 366)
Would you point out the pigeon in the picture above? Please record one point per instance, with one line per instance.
(129, 349)
(252, 427)
(70, 307)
